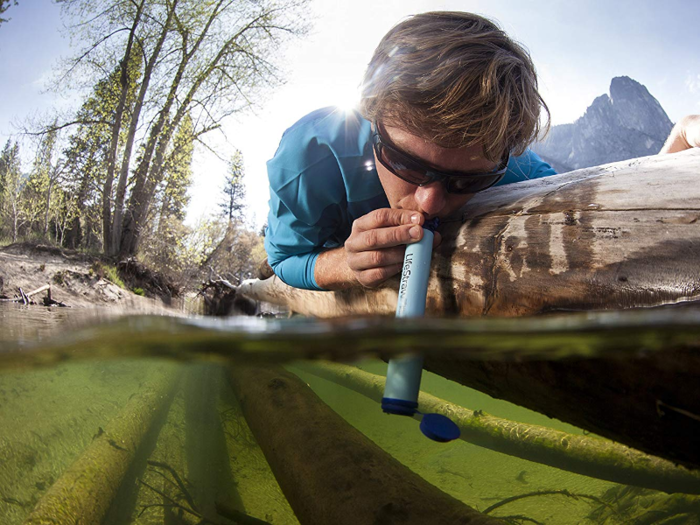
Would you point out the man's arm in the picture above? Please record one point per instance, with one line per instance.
(684, 135)
(332, 271)
(374, 251)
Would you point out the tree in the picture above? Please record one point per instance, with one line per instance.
(13, 212)
(5, 161)
(224, 56)
(41, 182)
(87, 161)
(233, 205)
(4, 6)
(207, 60)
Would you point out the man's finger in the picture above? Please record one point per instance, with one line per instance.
(387, 217)
(376, 258)
(380, 238)
(376, 276)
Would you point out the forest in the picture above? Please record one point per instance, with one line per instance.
(155, 78)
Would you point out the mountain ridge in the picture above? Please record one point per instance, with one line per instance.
(624, 124)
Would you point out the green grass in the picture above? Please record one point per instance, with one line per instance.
(108, 272)
(112, 275)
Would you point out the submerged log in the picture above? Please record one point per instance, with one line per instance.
(649, 402)
(329, 471)
(586, 455)
(85, 491)
(616, 236)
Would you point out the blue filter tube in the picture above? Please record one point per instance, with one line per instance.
(404, 373)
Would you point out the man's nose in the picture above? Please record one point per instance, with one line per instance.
(431, 198)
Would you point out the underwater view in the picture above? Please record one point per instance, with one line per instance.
(168, 420)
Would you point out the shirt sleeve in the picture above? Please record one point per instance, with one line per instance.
(307, 199)
(527, 166)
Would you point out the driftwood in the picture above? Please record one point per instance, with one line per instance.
(85, 491)
(616, 236)
(25, 298)
(584, 455)
(39, 290)
(329, 471)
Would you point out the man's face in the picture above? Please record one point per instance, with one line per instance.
(432, 200)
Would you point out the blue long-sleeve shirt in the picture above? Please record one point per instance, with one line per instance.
(322, 178)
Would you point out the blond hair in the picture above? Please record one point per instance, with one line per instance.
(455, 79)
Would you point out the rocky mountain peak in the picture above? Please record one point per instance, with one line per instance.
(635, 108)
(628, 123)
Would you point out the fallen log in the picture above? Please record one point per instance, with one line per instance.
(329, 471)
(85, 491)
(616, 236)
(584, 455)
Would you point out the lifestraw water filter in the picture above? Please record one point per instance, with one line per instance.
(404, 373)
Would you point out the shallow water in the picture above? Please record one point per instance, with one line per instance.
(74, 383)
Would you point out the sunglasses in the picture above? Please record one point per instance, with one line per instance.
(416, 172)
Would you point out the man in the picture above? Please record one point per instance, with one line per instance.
(449, 105)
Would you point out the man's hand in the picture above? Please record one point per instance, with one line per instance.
(373, 252)
(684, 135)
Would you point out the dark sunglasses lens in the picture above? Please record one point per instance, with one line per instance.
(402, 166)
(466, 184)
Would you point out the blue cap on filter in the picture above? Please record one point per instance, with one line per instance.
(439, 428)
(400, 407)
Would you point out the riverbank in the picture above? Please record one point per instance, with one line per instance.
(76, 279)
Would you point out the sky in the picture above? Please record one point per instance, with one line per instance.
(577, 48)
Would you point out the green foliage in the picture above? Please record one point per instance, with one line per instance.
(86, 159)
(178, 173)
(40, 190)
(138, 291)
(107, 272)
